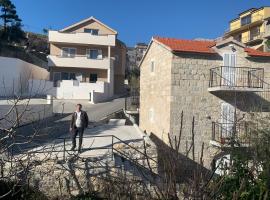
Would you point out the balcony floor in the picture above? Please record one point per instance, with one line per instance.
(234, 89)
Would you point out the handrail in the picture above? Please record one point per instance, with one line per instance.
(97, 136)
(236, 77)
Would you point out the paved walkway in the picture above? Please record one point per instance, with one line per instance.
(97, 142)
(95, 111)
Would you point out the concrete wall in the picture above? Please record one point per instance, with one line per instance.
(15, 73)
(67, 89)
(155, 91)
(91, 25)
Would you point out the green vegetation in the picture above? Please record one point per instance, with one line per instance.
(249, 173)
(11, 31)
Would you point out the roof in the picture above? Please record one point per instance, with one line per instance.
(256, 53)
(195, 46)
(87, 20)
(198, 46)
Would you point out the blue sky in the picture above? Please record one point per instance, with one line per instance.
(138, 20)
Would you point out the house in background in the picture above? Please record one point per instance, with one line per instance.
(135, 55)
(222, 84)
(86, 61)
(252, 28)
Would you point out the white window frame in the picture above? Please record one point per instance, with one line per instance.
(92, 29)
(100, 52)
(69, 55)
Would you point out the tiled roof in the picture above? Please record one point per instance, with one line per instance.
(201, 46)
(257, 53)
(196, 46)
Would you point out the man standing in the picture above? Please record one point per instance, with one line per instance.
(79, 122)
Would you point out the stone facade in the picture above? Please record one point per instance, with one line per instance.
(181, 82)
(155, 91)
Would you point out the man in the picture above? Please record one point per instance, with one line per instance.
(79, 122)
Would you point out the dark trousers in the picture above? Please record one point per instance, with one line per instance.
(75, 132)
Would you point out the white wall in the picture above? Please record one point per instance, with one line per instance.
(15, 73)
(68, 89)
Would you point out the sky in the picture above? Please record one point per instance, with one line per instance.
(138, 20)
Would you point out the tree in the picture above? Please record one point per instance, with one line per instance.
(11, 21)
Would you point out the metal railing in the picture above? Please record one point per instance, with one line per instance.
(252, 37)
(120, 150)
(132, 101)
(235, 134)
(244, 77)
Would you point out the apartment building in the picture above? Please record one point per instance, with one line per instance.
(221, 84)
(135, 55)
(252, 27)
(86, 61)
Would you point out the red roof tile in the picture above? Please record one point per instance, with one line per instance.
(254, 52)
(196, 46)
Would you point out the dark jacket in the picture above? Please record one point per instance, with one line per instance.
(84, 119)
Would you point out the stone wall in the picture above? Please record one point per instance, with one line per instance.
(155, 91)
(190, 81)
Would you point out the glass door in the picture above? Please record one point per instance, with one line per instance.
(229, 70)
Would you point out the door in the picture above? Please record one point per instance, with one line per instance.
(227, 120)
(229, 70)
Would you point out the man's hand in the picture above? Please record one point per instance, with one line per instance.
(70, 129)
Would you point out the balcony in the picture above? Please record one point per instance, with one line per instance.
(231, 134)
(81, 38)
(79, 62)
(236, 26)
(241, 79)
(253, 38)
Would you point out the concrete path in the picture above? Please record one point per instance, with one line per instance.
(97, 141)
(95, 111)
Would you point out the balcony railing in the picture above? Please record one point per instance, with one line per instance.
(81, 38)
(255, 18)
(232, 134)
(79, 62)
(236, 78)
(253, 37)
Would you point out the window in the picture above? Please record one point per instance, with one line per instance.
(246, 20)
(68, 52)
(254, 33)
(65, 76)
(91, 31)
(68, 76)
(94, 54)
(93, 78)
(152, 66)
(56, 79)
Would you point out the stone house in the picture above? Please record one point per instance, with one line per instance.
(222, 84)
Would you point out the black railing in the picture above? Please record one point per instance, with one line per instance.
(236, 77)
(132, 101)
(117, 146)
(234, 134)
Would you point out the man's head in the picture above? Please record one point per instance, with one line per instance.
(78, 107)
